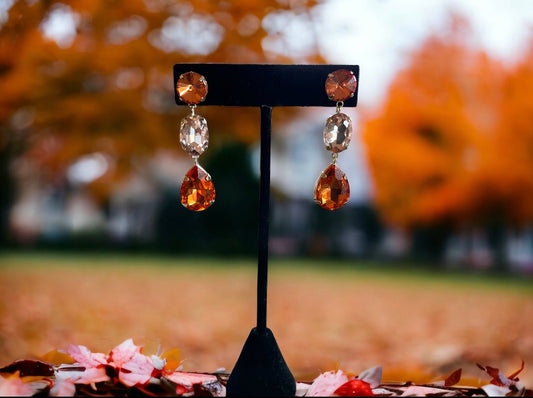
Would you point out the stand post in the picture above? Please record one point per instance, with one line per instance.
(261, 369)
(264, 212)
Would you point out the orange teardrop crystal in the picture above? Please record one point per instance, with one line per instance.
(197, 189)
(332, 189)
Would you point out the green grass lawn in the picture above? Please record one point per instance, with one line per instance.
(330, 269)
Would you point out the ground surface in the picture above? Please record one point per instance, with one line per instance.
(417, 325)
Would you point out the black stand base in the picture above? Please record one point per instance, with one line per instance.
(261, 370)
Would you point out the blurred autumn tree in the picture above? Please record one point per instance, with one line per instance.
(451, 149)
(95, 76)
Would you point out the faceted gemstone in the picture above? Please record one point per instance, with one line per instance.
(337, 132)
(194, 134)
(197, 190)
(332, 189)
(341, 85)
(191, 88)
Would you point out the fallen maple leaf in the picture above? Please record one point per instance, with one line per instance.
(13, 386)
(354, 388)
(123, 353)
(454, 378)
(372, 376)
(498, 378)
(138, 370)
(57, 357)
(85, 357)
(63, 388)
(82, 375)
(29, 367)
(423, 391)
(513, 375)
(186, 381)
(172, 360)
(326, 383)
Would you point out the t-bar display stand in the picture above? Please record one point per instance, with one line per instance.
(261, 369)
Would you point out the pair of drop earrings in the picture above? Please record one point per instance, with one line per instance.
(332, 189)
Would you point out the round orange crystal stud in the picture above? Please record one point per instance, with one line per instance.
(341, 85)
(191, 88)
(332, 189)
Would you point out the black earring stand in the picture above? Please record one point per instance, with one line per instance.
(261, 369)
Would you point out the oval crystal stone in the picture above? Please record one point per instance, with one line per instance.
(194, 134)
(332, 189)
(337, 132)
(341, 85)
(197, 189)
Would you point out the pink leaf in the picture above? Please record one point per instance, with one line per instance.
(189, 379)
(422, 391)
(138, 370)
(63, 388)
(326, 384)
(13, 386)
(86, 376)
(85, 357)
(123, 353)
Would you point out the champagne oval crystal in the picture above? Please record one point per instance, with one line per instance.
(337, 132)
(194, 135)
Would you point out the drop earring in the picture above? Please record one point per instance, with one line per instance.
(332, 189)
(197, 190)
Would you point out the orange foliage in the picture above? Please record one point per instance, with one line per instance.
(452, 143)
(110, 90)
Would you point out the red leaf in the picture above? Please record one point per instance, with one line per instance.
(512, 376)
(498, 378)
(355, 388)
(453, 378)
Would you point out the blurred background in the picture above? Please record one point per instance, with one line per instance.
(440, 165)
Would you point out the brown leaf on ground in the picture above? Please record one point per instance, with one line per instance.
(29, 367)
(453, 379)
